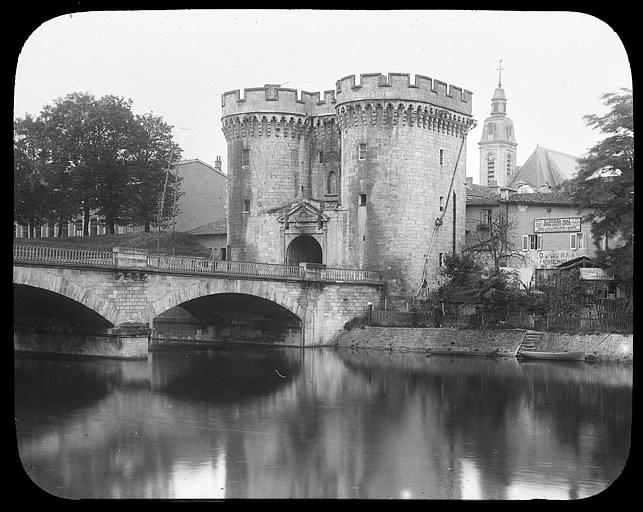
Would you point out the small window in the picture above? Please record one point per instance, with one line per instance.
(246, 207)
(223, 253)
(442, 157)
(532, 242)
(78, 228)
(441, 259)
(320, 154)
(361, 152)
(37, 231)
(93, 227)
(441, 203)
(64, 229)
(17, 231)
(509, 164)
(331, 183)
(362, 199)
(576, 241)
(245, 157)
(51, 230)
(485, 216)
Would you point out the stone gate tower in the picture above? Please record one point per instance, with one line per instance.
(356, 179)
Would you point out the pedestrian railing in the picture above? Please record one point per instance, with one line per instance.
(47, 254)
(121, 259)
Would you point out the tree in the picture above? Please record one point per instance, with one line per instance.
(605, 184)
(91, 155)
(495, 241)
(154, 149)
(31, 198)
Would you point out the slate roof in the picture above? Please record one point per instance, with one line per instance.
(218, 227)
(546, 166)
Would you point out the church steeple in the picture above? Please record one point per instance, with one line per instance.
(499, 101)
(497, 143)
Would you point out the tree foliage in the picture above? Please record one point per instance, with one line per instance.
(82, 154)
(605, 183)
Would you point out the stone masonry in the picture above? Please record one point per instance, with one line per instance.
(376, 160)
(129, 298)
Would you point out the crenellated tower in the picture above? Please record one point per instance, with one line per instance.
(400, 142)
(356, 179)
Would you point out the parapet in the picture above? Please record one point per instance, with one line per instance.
(398, 87)
(274, 98)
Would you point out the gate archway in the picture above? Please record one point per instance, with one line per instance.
(302, 249)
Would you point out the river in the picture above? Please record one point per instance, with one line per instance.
(254, 422)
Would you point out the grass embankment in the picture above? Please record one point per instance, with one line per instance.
(183, 244)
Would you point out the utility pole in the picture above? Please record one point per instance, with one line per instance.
(162, 205)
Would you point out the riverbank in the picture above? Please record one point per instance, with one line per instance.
(501, 343)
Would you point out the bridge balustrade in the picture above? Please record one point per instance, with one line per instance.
(45, 254)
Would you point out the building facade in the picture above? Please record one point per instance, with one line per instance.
(356, 179)
(546, 229)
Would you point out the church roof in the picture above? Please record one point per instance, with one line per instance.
(546, 166)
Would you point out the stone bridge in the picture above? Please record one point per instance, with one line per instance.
(128, 290)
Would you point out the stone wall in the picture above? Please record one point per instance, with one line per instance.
(603, 347)
(114, 346)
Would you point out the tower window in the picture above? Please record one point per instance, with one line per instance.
(245, 157)
(509, 164)
(491, 166)
(361, 152)
(362, 199)
(442, 157)
(331, 183)
(246, 207)
(491, 130)
(320, 154)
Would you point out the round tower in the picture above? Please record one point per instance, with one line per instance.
(399, 147)
(267, 132)
(497, 143)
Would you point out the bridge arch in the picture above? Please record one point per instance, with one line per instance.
(261, 289)
(39, 278)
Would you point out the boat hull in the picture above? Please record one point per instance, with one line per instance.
(557, 356)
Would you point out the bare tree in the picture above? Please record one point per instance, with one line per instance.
(495, 241)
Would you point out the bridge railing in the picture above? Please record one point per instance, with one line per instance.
(196, 264)
(48, 254)
(118, 259)
(349, 274)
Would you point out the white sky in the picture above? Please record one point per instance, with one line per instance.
(178, 63)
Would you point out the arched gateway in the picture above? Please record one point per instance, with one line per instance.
(302, 249)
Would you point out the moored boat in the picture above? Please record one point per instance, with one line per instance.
(558, 356)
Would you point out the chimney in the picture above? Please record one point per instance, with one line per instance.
(217, 163)
(469, 181)
(493, 184)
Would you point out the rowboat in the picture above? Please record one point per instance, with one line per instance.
(558, 356)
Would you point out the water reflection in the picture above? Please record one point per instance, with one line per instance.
(322, 423)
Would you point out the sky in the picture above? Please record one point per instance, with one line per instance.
(176, 64)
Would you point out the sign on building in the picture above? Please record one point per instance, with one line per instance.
(557, 225)
(595, 274)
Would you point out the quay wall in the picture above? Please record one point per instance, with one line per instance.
(107, 345)
(602, 347)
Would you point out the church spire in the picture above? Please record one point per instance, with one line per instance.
(500, 73)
